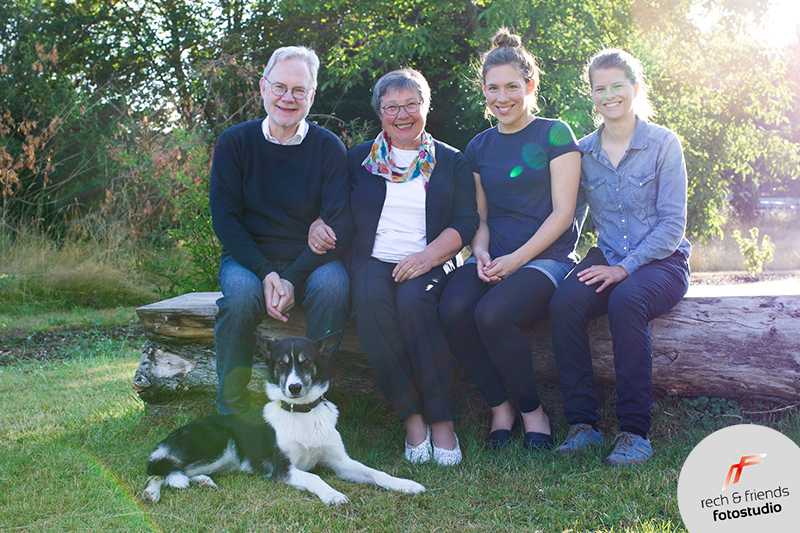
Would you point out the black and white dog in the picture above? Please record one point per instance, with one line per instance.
(293, 433)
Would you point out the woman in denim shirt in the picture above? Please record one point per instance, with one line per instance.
(634, 178)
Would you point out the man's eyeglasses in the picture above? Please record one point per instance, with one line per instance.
(392, 109)
(279, 89)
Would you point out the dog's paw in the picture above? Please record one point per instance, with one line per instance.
(334, 498)
(204, 481)
(151, 494)
(409, 487)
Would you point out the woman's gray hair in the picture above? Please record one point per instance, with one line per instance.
(398, 80)
(295, 52)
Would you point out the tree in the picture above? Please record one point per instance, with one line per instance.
(47, 111)
(81, 80)
(360, 41)
(725, 96)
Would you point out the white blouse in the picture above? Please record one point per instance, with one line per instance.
(401, 228)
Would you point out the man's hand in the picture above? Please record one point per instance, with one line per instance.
(607, 274)
(321, 237)
(278, 296)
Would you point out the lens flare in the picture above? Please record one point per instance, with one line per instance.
(559, 135)
(535, 156)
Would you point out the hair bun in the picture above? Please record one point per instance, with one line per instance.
(503, 37)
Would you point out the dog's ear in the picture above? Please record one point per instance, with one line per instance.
(328, 344)
(265, 346)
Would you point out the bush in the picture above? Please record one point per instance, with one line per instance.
(754, 257)
(163, 189)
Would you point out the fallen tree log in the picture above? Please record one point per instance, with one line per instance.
(723, 341)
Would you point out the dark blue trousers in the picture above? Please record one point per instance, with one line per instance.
(648, 293)
(398, 325)
(484, 324)
(325, 298)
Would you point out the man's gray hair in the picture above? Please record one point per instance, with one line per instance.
(397, 80)
(295, 52)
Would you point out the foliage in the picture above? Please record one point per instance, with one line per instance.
(744, 196)
(442, 39)
(173, 170)
(704, 410)
(24, 172)
(730, 114)
(64, 67)
(81, 80)
(723, 254)
(755, 257)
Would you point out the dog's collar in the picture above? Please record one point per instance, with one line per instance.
(301, 407)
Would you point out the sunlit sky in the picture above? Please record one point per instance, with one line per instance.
(779, 26)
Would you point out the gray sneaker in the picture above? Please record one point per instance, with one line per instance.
(579, 439)
(629, 450)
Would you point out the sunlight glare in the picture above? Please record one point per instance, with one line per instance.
(780, 25)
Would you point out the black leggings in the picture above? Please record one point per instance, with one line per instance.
(484, 326)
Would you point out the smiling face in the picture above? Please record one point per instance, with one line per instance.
(506, 95)
(404, 129)
(613, 94)
(286, 112)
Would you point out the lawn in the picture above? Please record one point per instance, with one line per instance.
(74, 440)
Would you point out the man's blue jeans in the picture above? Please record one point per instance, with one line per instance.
(648, 293)
(325, 297)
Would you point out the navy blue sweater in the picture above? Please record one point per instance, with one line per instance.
(264, 197)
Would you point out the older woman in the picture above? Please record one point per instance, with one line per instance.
(413, 203)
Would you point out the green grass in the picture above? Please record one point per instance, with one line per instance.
(75, 316)
(74, 440)
(74, 437)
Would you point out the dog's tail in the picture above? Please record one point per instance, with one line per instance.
(163, 471)
(169, 469)
(162, 466)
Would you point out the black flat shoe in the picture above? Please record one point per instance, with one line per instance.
(537, 441)
(498, 439)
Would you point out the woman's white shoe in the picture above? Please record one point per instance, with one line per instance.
(421, 453)
(445, 457)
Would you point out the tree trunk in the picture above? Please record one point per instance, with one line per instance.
(716, 342)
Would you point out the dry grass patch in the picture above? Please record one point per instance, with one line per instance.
(723, 255)
(38, 272)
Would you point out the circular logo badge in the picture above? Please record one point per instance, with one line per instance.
(741, 479)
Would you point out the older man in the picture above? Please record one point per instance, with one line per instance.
(270, 180)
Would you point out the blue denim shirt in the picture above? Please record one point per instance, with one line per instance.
(639, 208)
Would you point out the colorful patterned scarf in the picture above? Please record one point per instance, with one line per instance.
(380, 162)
